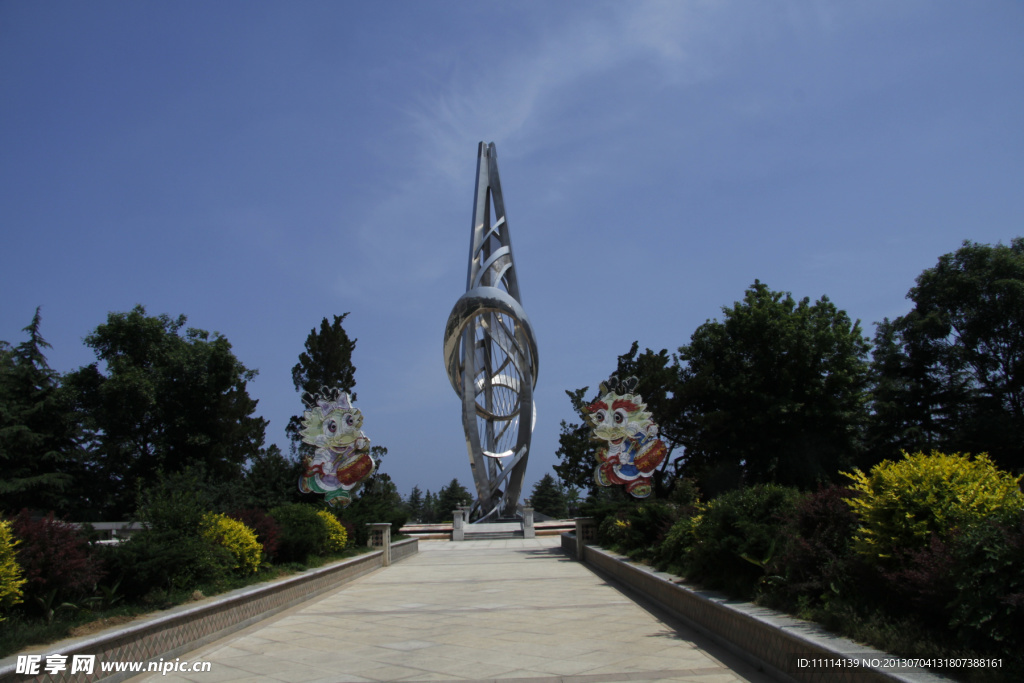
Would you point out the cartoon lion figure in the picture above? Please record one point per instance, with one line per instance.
(342, 459)
(631, 449)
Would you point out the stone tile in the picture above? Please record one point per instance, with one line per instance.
(481, 610)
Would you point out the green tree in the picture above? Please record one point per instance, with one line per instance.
(166, 401)
(378, 501)
(271, 479)
(954, 371)
(774, 393)
(901, 406)
(451, 497)
(547, 498)
(414, 504)
(39, 432)
(325, 362)
(576, 450)
(430, 515)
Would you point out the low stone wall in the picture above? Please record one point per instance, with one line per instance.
(403, 549)
(770, 640)
(187, 627)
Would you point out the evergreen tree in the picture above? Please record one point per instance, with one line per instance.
(325, 362)
(39, 433)
(547, 498)
(415, 504)
(429, 515)
(450, 497)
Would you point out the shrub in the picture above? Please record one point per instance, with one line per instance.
(736, 537)
(11, 579)
(236, 538)
(268, 531)
(612, 530)
(157, 561)
(303, 533)
(639, 529)
(56, 560)
(902, 504)
(680, 539)
(337, 536)
(988, 606)
(817, 559)
(170, 553)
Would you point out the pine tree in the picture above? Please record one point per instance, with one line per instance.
(429, 507)
(39, 433)
(547, 498)
(415, 504)
(451, 497)
(326, 362)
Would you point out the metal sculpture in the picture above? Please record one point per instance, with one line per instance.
(342, 459)
(631, 449)
(491, 354)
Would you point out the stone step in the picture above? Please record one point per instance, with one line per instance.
(492, 535)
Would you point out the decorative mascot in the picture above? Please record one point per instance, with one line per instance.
(631, 449)
(342, 459)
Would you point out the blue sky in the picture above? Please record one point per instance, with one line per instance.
(258, 166)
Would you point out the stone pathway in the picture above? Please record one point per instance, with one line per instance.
(509, 610)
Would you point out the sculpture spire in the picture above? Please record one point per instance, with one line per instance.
(491, 353)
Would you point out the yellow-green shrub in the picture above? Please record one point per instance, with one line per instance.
(337, 537)
(11, 579)
(236, 538)
(902, 504)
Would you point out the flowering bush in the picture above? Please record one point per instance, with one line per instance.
(236, 538)
(337, 537)
(56, 559)
(11, 580)
(902, 504)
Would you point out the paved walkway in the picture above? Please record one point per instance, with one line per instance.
(516, 610)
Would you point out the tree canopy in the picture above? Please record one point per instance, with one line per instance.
(775, 392)
(451, 497)
(950, 373)
(547, 498)
(167, 398)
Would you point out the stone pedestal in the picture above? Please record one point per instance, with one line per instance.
(380, 537)
(458, 526)
(528, 530)
(586, 534)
